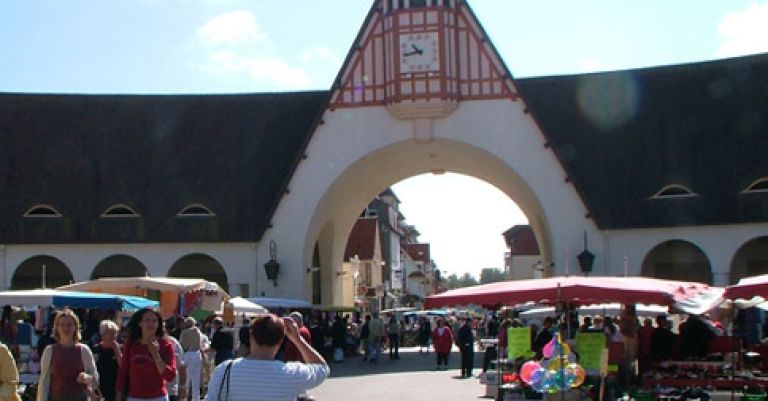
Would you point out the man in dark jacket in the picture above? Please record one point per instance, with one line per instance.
(542, 337)
(465, 341)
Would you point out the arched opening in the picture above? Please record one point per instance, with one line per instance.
(352, 192)
(41, 272)
(119, 266)
(677, 260)
(198, 265)
(750, 260)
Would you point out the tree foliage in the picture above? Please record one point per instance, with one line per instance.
(466, 280)
(492, 275)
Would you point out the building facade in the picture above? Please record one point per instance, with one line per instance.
(662, 169)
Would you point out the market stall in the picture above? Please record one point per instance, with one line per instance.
(597, 355)
(240, 307)
(73, 299)
(177, 296)
(42, 299)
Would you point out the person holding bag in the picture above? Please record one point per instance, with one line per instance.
(148, 359)
(67, 368)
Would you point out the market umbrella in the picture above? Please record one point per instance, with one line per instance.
(241, 305)
(74, 299)
(748, 287)
(576, 290)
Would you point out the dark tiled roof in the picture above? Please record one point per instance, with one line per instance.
(155, 154)
(419, 252)
(362, 239)
(622, 136)
(521, 240)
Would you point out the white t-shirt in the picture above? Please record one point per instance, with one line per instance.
(266, 380)
(173, 386)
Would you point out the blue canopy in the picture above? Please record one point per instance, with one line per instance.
(104, 301)
(74, 299)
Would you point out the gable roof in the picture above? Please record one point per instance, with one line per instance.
(362, 239)
(622, 136)
(155, 153)
(419, 252)
(521, 240)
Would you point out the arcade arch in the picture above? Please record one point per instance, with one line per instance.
(119, 266)
(337, 211)
(198, 265)
(678, 260)
(750, 259)
(41, 271)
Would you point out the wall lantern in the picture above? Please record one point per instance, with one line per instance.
(586, 258)
(272, 268)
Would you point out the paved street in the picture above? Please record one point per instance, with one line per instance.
(413, 377)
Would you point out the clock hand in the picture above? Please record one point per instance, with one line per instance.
(416, 49)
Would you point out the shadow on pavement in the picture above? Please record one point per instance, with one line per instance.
(410, 361)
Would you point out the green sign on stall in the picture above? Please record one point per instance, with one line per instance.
(519, 342)
(590, 348)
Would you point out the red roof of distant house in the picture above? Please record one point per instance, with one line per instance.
(362, 239)
(521, 240)
(419, 252)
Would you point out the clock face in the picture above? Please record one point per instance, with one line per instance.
(419, 52)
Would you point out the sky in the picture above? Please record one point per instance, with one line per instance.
(244, 46)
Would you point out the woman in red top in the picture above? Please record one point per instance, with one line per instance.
(148, 359)
(442, 341)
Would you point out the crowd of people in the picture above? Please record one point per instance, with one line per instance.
(152, 359)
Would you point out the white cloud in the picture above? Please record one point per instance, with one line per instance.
(745, 31)
(270, 71)
(321, 55)
(233, 28)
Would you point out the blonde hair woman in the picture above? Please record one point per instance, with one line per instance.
(67, 367)
(9, 376)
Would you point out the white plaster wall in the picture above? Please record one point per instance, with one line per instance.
(719, 243)
(358, 152)
(237, 259)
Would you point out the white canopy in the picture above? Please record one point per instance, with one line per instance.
(269, 302)
(241, 306)
(152, 283)
(611, 309)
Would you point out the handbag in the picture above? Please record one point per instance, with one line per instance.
(94, 394)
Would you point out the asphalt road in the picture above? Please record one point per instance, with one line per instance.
(412, 377)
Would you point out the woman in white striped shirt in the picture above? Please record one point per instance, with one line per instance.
(259, 375)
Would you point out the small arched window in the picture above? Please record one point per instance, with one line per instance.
(673, 191)
(119, 210)
(196, 210)
(759, 185)
(42, 211)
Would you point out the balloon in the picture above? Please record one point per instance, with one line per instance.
(579, 374)
(568, 377)
(551, 383)
(537, 377)
(549, 350)
(539, 385)
(556, 364)
(527, 369)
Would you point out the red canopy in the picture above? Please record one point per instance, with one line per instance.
(748, 287)
(575, 289)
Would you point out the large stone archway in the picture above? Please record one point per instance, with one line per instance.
(198, 265)
(119, 266)
(41, 271)
(678, 260)
(337, 211)
(750, 260)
